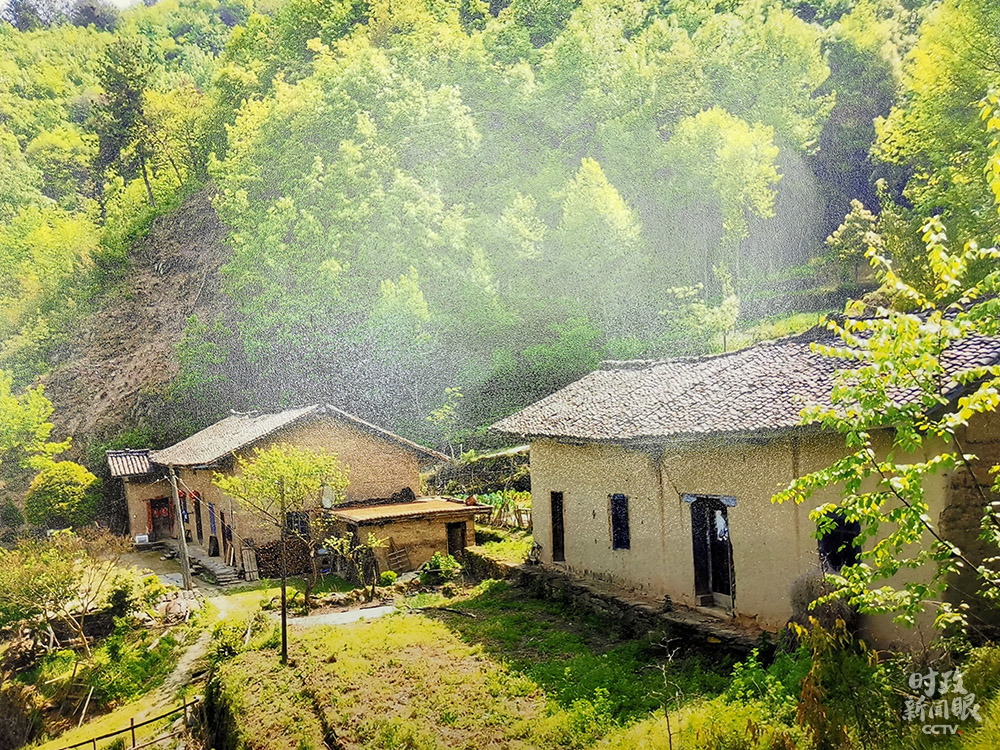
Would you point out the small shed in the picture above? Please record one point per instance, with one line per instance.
(415, 530)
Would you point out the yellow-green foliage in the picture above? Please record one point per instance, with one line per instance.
(514, 549)
(63, 494)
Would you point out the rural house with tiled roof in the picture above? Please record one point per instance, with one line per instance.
(383, 472)
(658, 475)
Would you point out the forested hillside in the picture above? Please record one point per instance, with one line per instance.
(435, 211)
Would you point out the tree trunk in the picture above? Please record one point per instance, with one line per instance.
(145, 178)
(284, 601)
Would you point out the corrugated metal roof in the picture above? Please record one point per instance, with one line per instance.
(422, 507)
(760, 388)
(129, 463)
(240, 430)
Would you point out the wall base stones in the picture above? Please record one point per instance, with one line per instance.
(632, 614)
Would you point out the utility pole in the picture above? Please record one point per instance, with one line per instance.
(284, 576)
(185, 565)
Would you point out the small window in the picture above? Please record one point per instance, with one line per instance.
(619, 522)
(838, 547)
(297, 523)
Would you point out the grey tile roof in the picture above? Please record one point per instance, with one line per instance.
(129, 463)
(760, 388)
(240, 430)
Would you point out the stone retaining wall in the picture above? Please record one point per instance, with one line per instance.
(633, 615)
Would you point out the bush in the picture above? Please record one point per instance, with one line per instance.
(151, 591)
(982, 671)
(809, 587)
(387, 578)
(63, 494)
(10, 516)
(777, 686)
(847, 693)
(438, 569)
(122, 598)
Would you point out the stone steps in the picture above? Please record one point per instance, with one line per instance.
(213, 567)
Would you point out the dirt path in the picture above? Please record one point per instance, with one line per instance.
(341, 618)
(190, 661)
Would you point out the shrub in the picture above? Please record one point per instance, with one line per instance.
(777, 686)
(10, 516)
(738, 726)
(151, 590)
(438, 569)
(387, 578)
(809, 587)
(982, 671)
(847, 692)
(122, 598)
(63, 494)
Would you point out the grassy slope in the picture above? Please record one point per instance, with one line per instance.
(520, 673)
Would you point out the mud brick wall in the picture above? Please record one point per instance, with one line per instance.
(961, 523)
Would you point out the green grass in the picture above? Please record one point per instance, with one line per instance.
(514, 549)
(519, 672)
(573, 655)
(493, 667)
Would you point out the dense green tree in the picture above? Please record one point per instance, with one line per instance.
(64, 494)
(19, 182)
(863, 51)
(30, 15)
(850, 242)
(24, 426)
(727, 166)
(64, 157)
(96, 13)
(930, 146)
(124, 143)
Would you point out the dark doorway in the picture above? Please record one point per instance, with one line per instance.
(456, 539)
(159, 509)
(213, 541)
(197, 520)
(713, 552)
(558, 530)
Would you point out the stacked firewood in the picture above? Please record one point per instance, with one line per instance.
(297, 558)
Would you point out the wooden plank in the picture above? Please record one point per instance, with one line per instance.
(250, 564)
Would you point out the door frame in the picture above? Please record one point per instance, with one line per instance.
(705, 576)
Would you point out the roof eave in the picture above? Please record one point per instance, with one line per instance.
(762, 434)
